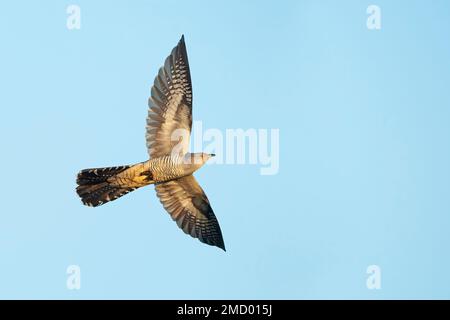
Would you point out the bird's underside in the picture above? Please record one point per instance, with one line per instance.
(170, 166)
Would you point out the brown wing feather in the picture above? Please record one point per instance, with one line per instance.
(170, 105)
(188, 205)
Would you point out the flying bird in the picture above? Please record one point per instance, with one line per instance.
(170, 166)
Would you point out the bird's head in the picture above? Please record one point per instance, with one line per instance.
(197, 159)
(207, 156)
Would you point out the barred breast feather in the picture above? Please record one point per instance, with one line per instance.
(165, 168)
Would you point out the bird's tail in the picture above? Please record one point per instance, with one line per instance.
(98, 186)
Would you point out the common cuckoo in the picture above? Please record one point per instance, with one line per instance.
(170, 165)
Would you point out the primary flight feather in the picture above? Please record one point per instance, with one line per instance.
(170, 166)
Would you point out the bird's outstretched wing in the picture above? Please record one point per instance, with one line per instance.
(169, 118)
(188, 205)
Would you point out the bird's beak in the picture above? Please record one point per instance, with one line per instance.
(213, 154)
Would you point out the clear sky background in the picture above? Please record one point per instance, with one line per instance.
(364, 173)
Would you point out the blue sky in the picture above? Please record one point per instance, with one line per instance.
(364, 173)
